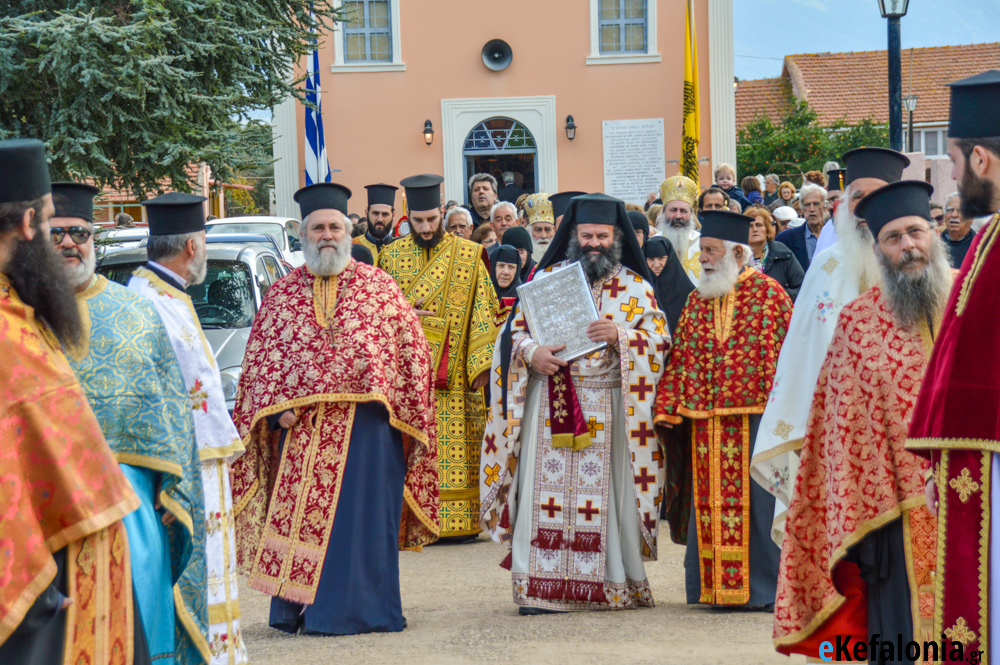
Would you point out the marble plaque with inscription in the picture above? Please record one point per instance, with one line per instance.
(634, 158)
(558, 307)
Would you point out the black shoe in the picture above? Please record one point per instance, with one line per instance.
(531, 611)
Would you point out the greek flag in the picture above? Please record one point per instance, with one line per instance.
(317, 166)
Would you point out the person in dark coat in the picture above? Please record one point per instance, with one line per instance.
(640, 224)
(510, 191)
(771, 257)
(670, 281)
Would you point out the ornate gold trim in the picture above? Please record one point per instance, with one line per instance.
(984, 551)
(941, 443)
(221, 452)
(94, 523)
(219, 612)
(941, 549)
(152, 463)
(187, 621)
(982, 252)
(765, 455)
(31, 592)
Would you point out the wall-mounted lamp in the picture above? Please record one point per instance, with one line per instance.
(570, 128)
(428, 133)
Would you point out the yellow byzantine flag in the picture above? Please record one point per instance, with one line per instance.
(691, 133)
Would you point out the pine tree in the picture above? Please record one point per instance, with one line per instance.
(131, 92)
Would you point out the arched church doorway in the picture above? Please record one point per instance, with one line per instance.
(498, 145)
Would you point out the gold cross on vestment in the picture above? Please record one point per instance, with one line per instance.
(331, 331)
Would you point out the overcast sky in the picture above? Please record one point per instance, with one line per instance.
(776, 28)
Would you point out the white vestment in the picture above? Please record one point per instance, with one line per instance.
(825, 290)
(218, 446)
(827, 237)
(691, 264)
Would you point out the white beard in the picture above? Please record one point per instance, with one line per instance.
(82, 272)
(680, 238)
(856, 248)
(327, 264)
(539, 247)
(722, 280)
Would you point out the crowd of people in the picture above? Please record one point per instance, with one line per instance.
(798, 385)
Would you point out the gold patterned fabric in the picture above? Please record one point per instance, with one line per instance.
(452, 281)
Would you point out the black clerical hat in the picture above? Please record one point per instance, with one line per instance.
(175, 213)
(74, 199)
(382, 194)
(518, 237)
(423, 192)
(881, 163)
(322, 196)
(905, 198)
(639, 222)
(561, 201)
(725, 225)
(973, 100)
(24, 173)
(596, 209)
(836, 182)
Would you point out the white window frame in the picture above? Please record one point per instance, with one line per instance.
(922, 129)
(342, 66)
(597, 58)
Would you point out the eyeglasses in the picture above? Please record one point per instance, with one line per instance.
(77, 234)
(915, 233)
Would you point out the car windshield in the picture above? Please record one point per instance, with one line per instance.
(224, 300)
(257, 228)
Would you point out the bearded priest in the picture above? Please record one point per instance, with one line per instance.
(146, 418)
(586, 478)
(336, 412)
(858, 525)
(718, 375)
(178, 258)
(381, 213)
(954, 422)
(678, 221)
(835, 277)
(447, 280)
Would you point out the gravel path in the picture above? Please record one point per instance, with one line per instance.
(458, 605)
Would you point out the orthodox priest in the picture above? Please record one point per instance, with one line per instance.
(560, 203)
(143, 411)
(836, 276)
(65, 576)
(678, 223)
(858, 526)
(719, 373)
(336, 412)
(177, 260)
(541, 223)
(381, 213)
(447, 280)
(954, 422)
(571, 473)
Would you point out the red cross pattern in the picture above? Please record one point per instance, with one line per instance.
(589, 511)
(643, 434)
(614, 287)
(639, 343)
(491, 446)
(641, 388)
(644, 479)
(551, 507)
(649, 522)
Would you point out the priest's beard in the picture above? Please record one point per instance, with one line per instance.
(856, 244)
(722, 280)
(679, 237)
(431, 242)
(83, 271)
(327, 262)
(38, 274)
(377, 232)
(915, 297)
(198, 267)
(538, 248)
(976, 194)
(597, 267)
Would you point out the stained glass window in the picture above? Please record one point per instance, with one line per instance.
(499, 135)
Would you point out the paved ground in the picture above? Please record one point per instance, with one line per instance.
(457, 602)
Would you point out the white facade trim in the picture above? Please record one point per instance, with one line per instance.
(597, 58)
(721, 75)
(461, 116)
(340, 66)
(285, 134)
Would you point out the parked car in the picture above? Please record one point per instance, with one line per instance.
(284, 230)
(244, 239)
(236, 280)
(110, 240)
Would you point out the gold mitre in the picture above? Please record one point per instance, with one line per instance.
(679, 188)
(539, 209)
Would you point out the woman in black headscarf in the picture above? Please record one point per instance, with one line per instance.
(507, 282)
(670, 280)
(519, 238)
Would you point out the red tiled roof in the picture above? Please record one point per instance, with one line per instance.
(111, 195)
(770, 97)
(854, 86)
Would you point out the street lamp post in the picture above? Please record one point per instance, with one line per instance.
(910, 104)
(894, 10)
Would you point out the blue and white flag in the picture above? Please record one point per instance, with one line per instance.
(317, 165)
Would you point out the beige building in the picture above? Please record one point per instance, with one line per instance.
(396, 65)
